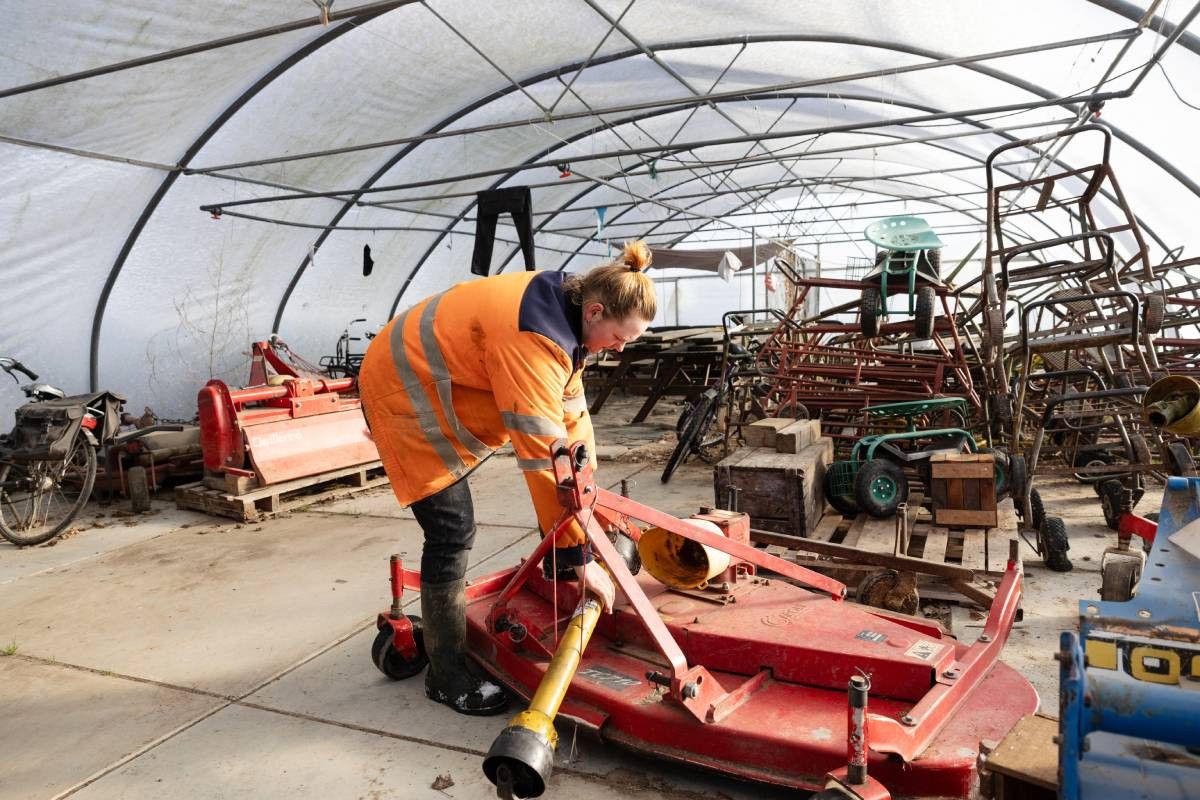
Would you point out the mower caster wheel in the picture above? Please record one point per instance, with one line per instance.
(1119, 577)
(390, 661)
(880, 487)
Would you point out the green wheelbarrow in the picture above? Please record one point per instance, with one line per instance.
(873, 478)
(910, 258)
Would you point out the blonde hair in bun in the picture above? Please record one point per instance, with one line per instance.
(621, 286)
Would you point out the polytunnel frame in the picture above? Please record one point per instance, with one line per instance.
(1122, 9)
(724, 41)
(776, 187)
(559, 70)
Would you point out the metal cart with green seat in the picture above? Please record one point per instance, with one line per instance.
(873, 479)
(909, 260)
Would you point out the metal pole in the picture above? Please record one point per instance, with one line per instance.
(753, 269)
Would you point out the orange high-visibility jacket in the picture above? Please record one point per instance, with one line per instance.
(465, 371)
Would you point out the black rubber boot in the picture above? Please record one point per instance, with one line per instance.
(444, 626)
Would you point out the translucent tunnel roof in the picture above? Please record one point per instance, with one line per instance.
(184, 178)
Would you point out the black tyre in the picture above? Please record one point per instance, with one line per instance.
(880, 487)
(1018, 475)
(1180, 460)
(869, 311)
(1000, 470)
(1092, 458)
(1037, 509)
(1153, 309)
(1112, 495)
(933, 262)
(926, 311)
(840, 502)
(1118, 579)
(691, 431)
(390, 661)
(38, 499)
(138, 488)
(1052, 538)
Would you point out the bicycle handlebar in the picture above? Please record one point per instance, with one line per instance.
(10, 364)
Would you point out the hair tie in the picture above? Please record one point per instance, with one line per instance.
(634, 268)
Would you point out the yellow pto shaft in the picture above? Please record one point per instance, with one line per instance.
(522, 756)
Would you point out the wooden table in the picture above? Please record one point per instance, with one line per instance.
(676, 362)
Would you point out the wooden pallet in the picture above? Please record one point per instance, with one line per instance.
(978, 549)
(267, 501)
(952, 565)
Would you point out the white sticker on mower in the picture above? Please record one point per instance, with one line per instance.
(924, 650)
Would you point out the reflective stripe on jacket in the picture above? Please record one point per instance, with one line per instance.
(464, 372)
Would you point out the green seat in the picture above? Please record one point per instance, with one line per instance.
(906, 234)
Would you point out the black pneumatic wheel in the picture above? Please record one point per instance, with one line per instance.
(926, 311)
(1052, 537)
(869, 308)
(1018, 474)
(840, 503)
(692, 424)
(880, 487)
(39, 499)
(1037, 509)
(389, 660)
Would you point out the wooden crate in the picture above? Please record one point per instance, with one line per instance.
(267, 501)
(779, 491)
(964, 490)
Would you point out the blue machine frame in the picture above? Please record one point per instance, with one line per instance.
(1129, 683)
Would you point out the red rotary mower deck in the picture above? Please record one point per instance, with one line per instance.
(749, 675)
(797, 648)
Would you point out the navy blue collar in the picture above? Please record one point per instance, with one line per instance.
(547, 310)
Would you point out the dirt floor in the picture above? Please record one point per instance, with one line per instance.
(172, 654)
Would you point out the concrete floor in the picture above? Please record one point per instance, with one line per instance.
(178, 655)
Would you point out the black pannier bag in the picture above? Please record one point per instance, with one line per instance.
(46, 430)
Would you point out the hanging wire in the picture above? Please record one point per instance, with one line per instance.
(1178, 96)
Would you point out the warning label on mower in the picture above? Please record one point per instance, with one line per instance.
(924, 650)
(607, 677)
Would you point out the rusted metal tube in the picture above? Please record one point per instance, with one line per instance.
(856, 738)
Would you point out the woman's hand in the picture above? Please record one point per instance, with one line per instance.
(595, 579)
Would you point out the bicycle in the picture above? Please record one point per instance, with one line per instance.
(700, 413)
(48, 462)
(346, 363)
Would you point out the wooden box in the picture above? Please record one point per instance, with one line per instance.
(779, 491)
(964, 490)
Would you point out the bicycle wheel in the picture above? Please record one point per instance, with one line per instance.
(39, 499)
(691, 432)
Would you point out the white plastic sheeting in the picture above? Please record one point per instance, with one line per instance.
(188, 293)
